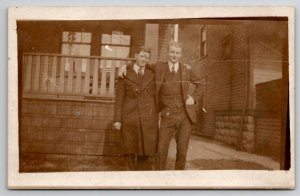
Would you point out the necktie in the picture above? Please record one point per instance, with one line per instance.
(173, 69)
(140, 71)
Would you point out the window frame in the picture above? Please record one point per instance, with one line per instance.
(202, 42)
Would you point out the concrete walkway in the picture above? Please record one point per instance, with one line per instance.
(201, 148)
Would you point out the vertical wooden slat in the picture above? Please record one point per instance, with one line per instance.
(86, 87)
(70, 75)
(27, 66)
(52, 87)
(103, 77)
(36, 79)
(95, 78)
(78, 65)
(45, 79)
(62, 74)
(112, 77)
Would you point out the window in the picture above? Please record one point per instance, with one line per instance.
(78, 44)
(203, 42)
(115, 45)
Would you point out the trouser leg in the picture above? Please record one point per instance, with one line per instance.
(142, 163)
(165, 136)
(130, 160)
(182, 137)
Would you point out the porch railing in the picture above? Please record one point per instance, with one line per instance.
(66, 76)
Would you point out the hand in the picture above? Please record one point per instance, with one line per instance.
(189, 100)
(122, 71)
(117, 125)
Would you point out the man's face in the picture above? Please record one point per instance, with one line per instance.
(174, 54)
(142, 59)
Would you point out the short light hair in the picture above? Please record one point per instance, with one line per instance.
(175, 44)
(143, 49)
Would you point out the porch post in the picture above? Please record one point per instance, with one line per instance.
(176, 29)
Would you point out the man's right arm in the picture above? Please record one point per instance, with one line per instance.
(123, 69)
(151, 66)
(120, 95)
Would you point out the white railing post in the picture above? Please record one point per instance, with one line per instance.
(36, 79)
(103, 78)
(27, 67)
(86, 87)
(95, 77)
(70, 75)
(62, 74)
(112, 77)
(78, 65)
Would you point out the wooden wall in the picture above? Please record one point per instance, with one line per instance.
(224, 79)
(68, 127)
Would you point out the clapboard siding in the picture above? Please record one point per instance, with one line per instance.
(225, 79)
(268, 136)
(189, 37)
(163, 42)
(68, 127)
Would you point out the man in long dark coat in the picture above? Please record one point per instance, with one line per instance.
(135, 113)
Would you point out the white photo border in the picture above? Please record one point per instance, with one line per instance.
(196, 179)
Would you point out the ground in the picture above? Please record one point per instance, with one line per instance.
(203, 154)
(56, 163)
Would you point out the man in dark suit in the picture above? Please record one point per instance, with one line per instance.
(176, 104)
(136, 115)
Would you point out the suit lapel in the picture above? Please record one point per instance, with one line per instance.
(133, 76)
(162, 72)
(184, 80)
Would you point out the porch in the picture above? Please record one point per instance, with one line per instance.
(70, 77)
(67, 104)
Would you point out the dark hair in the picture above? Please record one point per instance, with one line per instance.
(143, 49)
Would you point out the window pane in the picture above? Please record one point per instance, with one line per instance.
(107, 51)
(65, 37)
(125, 40)
(116, 39)
(203, 34)
(106, 39)
(121, 52)
(115, 51)
(86, 37)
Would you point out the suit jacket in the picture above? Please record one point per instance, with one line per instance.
(187, 76)
(135, 109)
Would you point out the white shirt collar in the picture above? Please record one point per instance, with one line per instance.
(176, 66)
(136, 68)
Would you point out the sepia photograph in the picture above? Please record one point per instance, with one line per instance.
(114, 95)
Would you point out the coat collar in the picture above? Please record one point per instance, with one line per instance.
(134, 77)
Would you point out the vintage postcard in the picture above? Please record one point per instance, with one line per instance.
(151, 98)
